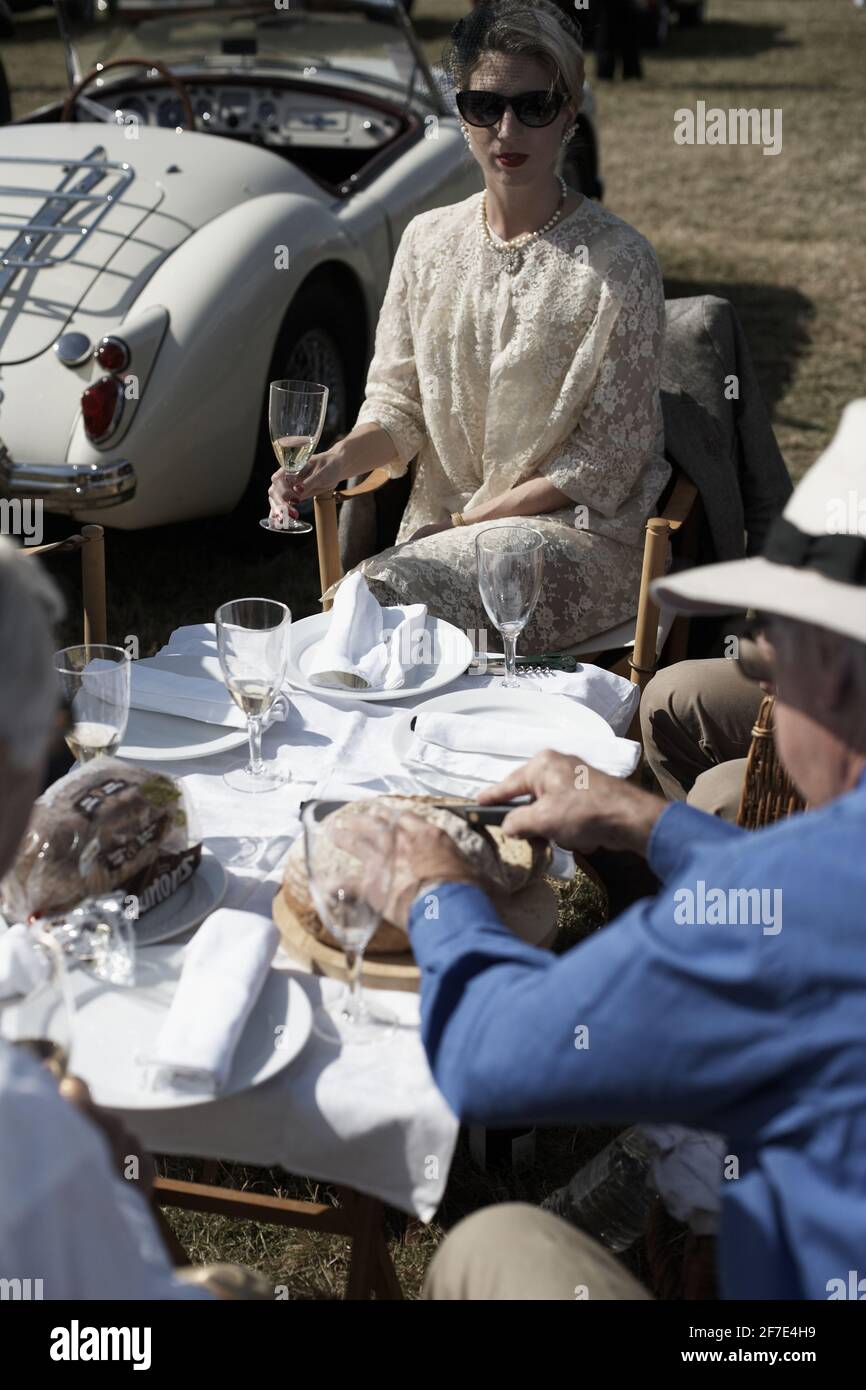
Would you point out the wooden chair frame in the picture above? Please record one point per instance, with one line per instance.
(361, 1218)
(680, 515)
(90, 541)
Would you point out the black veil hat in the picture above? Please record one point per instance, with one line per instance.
(487, 28)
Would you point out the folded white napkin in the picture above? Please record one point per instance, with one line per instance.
(190, 697)
(478, 750)
(194, 637)
(367, 647)
(224, 970)
(611, 696)
(22, 967)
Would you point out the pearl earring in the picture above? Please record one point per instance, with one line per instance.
(569, 133)
(465, 130)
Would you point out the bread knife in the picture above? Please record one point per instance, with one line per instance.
(469, 810)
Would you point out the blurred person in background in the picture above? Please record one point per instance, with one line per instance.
(617, 39)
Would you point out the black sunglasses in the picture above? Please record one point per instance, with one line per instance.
(534, 109)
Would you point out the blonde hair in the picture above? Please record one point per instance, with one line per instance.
(515, 27)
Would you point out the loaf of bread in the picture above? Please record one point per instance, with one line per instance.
(106, 827)
(502, 862)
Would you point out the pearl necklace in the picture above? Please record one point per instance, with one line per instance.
(512, 251)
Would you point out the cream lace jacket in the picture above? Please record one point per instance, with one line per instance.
(487, 378)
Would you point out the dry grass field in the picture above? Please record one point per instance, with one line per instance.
(782, 237)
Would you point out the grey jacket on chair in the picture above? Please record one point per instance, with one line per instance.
(725, 446)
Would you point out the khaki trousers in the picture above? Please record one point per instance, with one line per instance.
(518, 1252)
(696, 720)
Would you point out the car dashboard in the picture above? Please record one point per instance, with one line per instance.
(269, 115)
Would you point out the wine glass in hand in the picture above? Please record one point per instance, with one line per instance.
(296, 418)
(94, 683)
(510, 568)
(253, 642)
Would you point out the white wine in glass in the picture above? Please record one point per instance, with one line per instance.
(253, 643)
(296, 418)
(253, 697)
(86, 740)
(94, 682)
(293, 452)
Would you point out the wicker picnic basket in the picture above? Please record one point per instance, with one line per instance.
(768, 792)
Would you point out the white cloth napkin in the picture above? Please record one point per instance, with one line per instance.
(367, 647)
(22, 967)
(611, 696)
(689, 1172)
(485, 751)
(224, 970)
(190, 697)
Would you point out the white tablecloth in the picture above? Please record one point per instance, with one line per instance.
(370, 1118)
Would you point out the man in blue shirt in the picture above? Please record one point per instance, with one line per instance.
(734, 1001)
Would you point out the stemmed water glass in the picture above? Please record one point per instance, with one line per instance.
(94, 683)
(510, 570)
(296, 418)
(253, 642)
(345, 890)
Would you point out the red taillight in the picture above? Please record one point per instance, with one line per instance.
(112, 354)
(101, 407)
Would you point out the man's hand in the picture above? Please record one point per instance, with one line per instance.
(121, 1143)
(404, 859)
(577, 806)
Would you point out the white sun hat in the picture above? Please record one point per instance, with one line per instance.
(813, 567)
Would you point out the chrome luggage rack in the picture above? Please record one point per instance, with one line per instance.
(24, 251)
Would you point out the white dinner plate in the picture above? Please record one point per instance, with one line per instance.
(115, 1026)
(168, 738)
(532, 709)
(453, 647)
(187, 907)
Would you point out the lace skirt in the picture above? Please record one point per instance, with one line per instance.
(591, 582)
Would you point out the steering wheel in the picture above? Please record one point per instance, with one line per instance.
(175, 82)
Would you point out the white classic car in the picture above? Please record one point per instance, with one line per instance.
(216, 204)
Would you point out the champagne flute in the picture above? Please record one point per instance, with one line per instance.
(253, 642)
(94, 682)
(296, 418)
(510, 569)
(342, 888)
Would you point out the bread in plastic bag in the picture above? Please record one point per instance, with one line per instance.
(105, 827)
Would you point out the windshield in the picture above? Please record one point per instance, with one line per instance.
(325, 39)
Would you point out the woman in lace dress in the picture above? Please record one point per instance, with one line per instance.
(517, 358)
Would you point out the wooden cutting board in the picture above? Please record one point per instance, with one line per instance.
(531, 914)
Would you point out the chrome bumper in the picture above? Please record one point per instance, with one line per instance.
(67, 487)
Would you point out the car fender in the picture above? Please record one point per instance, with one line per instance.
(227, 290)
